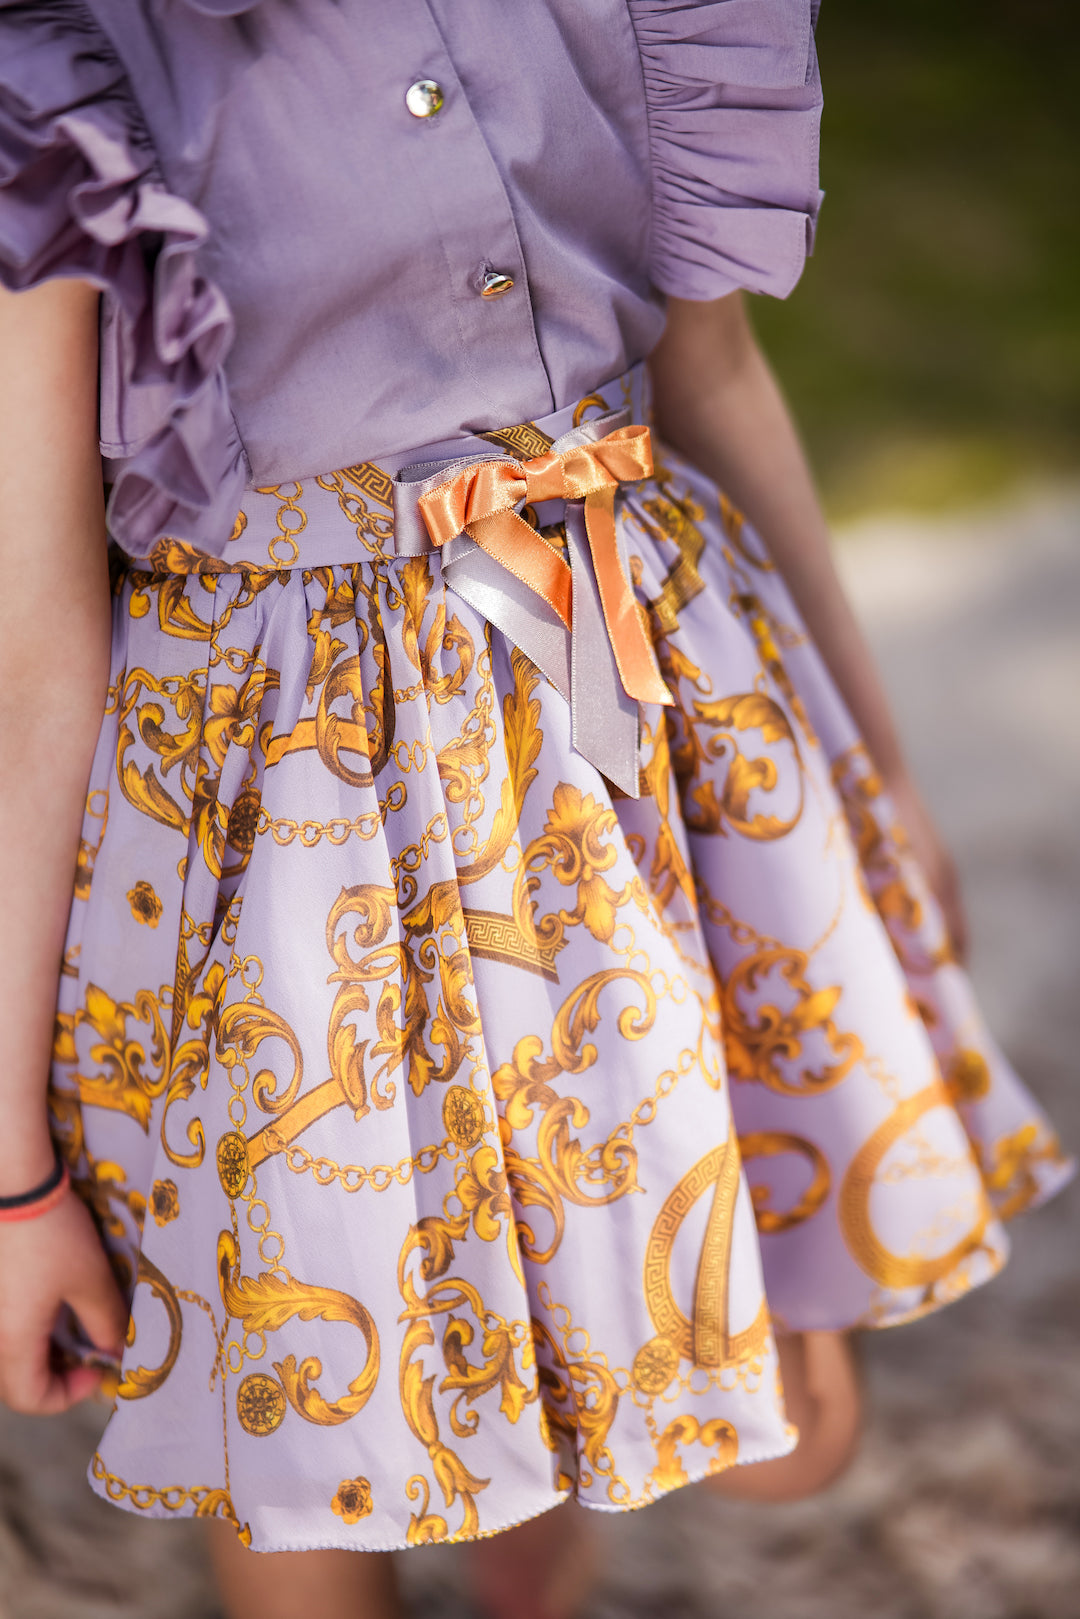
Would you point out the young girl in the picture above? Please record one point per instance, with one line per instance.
(501, 1021)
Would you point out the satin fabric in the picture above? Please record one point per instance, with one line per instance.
(459, 1127)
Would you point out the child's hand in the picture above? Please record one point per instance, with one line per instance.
(47, 1262)
(934, 858)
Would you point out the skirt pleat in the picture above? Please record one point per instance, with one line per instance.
(459, 1127)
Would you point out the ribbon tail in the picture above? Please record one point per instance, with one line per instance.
(512, 606)
(604, 718)
(634, 655)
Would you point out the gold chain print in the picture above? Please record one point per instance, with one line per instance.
(458, 1125)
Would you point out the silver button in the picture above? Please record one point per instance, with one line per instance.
(424, 98)
(495, 284)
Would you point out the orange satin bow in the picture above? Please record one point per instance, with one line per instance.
(480, 499)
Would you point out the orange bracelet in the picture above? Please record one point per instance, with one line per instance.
(28, 1205)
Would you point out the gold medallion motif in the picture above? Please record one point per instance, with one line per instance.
(260, 1404)
(463, 1116)
(244, 820)
(232, 1163)
(655, 1364)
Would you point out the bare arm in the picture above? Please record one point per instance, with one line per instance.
(718, 403)
(54, 662)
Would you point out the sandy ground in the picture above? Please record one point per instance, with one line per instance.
(965, 1502)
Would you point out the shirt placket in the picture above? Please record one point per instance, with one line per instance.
(460, 191)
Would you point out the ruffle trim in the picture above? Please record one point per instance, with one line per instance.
(734, 104)
(222, 8)
(81, 194)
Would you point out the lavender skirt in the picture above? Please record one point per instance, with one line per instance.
(460, 1129)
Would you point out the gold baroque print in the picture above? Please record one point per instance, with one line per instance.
(139, 1381)
(774, 1143)
(580, 1398)
(885, 1267)
(207, 1501)
(97, 809)
(122, 1081)
(709, 730)
(176, 749)
(352, 1500)
(882, 848)
(360, 490)
(716, 1435)
(576, 847)
(704, 1340)
(267, 1302)
(763, 1039)
(563, 1171)
(446, 634)
(425, 1259)
(433, 943)
(260, 1404)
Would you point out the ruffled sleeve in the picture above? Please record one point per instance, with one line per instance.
(734, 104)
(81, 194)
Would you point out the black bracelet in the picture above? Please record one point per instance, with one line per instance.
(35, 1195)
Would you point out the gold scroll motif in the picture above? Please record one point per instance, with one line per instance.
(710, 732)
(882, 850)
(715, 1435)
(139, 1381)
(870, 1253)
(175, 745)
(267, 1302)
(762, 1038)
(124, 1080)
(97, 809)
(563, 1171)
(678, 520)
(580, 1399)
(773, 1144)
(428, 1292)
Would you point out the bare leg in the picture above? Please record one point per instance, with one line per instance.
(821, 1389)
(280, 1585)
(543, 1569)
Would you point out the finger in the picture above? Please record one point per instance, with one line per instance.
(32, 1385)
(79, 1383)
(101, 1311)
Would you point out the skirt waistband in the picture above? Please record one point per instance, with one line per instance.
(347, 516)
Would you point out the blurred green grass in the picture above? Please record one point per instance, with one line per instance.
(932, 349)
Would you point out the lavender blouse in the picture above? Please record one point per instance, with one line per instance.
(306, 214)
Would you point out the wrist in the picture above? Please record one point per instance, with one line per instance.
(37, 1200)
(27, 1161)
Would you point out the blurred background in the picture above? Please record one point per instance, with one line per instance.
(932, 353)
(932, 350)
